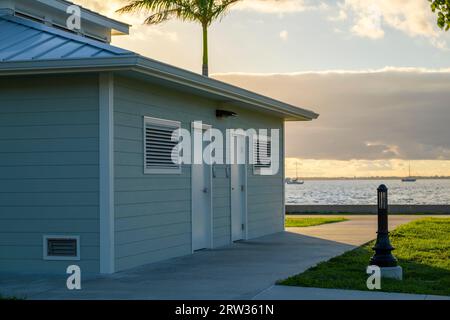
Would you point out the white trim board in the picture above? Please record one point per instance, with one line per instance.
(204, 127)
(106, 170)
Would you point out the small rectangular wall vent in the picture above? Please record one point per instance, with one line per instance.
(61, 248)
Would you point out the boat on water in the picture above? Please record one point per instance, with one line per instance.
(409, 178)
(295, 180)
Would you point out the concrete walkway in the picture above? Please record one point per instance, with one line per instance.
(300, 293)
(357, 231)
(240, 271)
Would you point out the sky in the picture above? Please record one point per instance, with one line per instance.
(377, 71)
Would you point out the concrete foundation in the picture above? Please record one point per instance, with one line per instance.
(392, 273)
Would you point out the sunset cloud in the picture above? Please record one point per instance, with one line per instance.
(284, 35)
(369, 18)
(391, 113)
(308, 168)
(279, 6)
(380, 114)
(262, 6)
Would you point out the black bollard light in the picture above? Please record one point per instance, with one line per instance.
(383, 257)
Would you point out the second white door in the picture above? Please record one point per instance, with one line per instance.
(238, 189)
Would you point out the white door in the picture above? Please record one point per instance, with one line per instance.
(201, 197)
(238, 189)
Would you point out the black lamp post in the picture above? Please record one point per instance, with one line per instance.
(383, 257)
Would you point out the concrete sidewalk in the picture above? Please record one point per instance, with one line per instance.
(301, 293)
(240, 271)
(357, 231)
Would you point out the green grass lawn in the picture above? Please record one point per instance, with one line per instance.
(422, 248)
(309, 222)
(362, 214)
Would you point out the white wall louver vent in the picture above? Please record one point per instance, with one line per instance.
(262, 153)
(61, 248)
(161, 146)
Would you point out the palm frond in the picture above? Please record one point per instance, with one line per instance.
(203, 11)
(221, 9)
(162, 10)
(160, 17)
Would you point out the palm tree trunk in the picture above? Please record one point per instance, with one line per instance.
(205, 69)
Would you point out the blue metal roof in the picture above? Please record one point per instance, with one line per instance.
(22, 40)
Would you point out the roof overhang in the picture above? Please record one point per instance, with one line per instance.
(164, 74)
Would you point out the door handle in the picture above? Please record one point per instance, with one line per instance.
(242, 188)
(205, 190)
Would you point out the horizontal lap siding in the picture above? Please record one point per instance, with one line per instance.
(49, 170)
(153, 212)
(265, 204)
(153, 215)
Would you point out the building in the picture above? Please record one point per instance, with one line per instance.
(85, 172)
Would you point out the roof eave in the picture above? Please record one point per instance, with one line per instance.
(184, 77)
(161, 71)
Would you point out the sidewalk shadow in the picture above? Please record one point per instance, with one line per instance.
(237, 271)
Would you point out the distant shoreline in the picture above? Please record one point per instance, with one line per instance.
(366, 209)
(372, 178)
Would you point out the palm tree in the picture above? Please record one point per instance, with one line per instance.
(202, 11)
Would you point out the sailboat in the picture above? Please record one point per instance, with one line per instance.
(409, 178)
(296, 180)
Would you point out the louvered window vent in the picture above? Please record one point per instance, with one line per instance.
(61, 248)
(161, 146)
(262, 152)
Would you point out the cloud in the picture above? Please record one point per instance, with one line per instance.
(262, 6)
(279, 6)
(391, 113)
(342, 13)
(368, 23)
(284, 35)
(369, 18)
(388, 150)
(104, 7)
(365, 168)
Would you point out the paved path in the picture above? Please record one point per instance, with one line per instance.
(357, 231)
(299, 293)
(240, 271)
